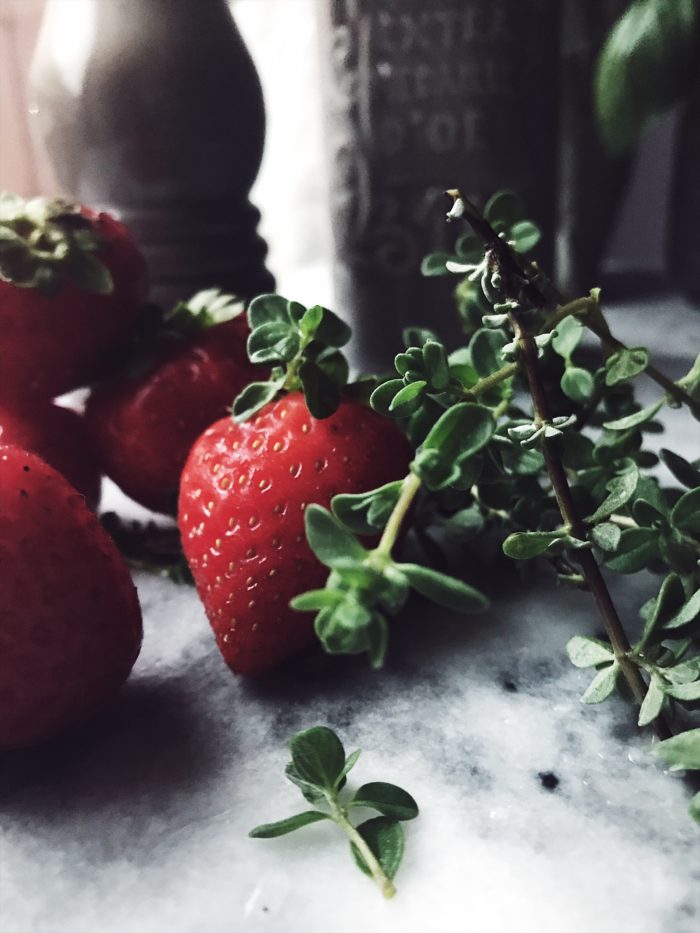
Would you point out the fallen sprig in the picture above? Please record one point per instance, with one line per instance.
(319, 768)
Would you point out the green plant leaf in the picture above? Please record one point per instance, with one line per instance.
(318, 756)
(687, 613)
(385, 839)
(637, 547)
(681, 752)
(350, 763)
(443, 590)
(636, 419)
(311, 792)
(321, 393)
(588, 652)
(273, 342)
(523, 545)
(313, 600)
(366, 512)
(606, 536)
(388, 799)
(686, 693)
(436, 264)
(567, 336)
(647, 64)
(267, 309)
(526, 235)
(577, 384)
(332, 331)
(506, 207)
(282, 827)
(408, 398)
(685, 472)
(694, 808)
(485, 350)
(254, 397)
(620, 489)
(653, 702)
(602, 685)
(685, 515)
(333, 544)
(625, 364)
(457, 435)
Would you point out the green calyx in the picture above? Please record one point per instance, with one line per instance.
(44, 243)
(302, 347)
(205, 309)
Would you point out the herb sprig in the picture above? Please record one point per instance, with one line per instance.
(319, 768)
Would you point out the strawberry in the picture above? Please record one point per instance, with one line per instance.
(70, 623)
(145, 423)
(71, 282)
(243, 494)
(57, 435)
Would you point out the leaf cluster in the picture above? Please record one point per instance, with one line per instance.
(319, 769)
(302, 347)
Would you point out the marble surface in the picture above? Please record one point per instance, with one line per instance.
(139, 823)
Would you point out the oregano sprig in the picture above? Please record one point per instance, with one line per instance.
(319, 768)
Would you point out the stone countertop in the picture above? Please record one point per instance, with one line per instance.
(537, 812)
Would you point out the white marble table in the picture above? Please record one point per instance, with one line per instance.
(140, 823)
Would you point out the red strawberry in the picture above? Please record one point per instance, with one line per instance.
(57, 435)
(70, 624)
(71, 281)
(241, 514)
(144, 425)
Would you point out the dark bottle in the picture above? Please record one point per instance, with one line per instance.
(152, 109)
(421, 97)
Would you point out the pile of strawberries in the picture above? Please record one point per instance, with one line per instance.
(72, 314)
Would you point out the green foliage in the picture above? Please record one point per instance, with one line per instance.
(301, 345)
(319, 768)
(648, 63)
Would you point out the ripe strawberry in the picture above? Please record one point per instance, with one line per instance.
(71, 281)
(57, 435)
(241, 515)
(70, 623)
(144, 424)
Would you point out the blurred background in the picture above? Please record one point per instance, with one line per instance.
(292, 44)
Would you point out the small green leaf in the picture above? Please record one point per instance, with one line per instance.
(382, 396)
(523, 545)
(653, 701)
(686, 693)
(637, 547)
(254, 397)
(461, 431)
(681, 752)
(436, 264)
(625, 364)
(350, 763)
(606, 536)
(282, 827)
(636, 419)
(567, 336)
(266, 309)
(310, 320)
(685, 472)
(602, 685)
(322, 395)
(313, 600)
(333, 544)
(688, 612)
(436, 367)
(685, 515)
(620, 490)
(311, 792)
(526, 235)
(388, 799)
(485, 350)
(408, 398)
(385, 839)
(588, 652)
(318, 756)
(506, 207)
(332, 331)
(273, 342)
(443, 590)
(367, 512)
(577, 384)
(470, 248)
